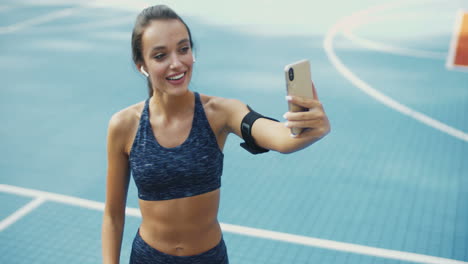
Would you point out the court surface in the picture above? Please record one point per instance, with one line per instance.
(389, 184)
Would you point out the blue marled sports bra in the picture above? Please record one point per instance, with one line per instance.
(190, 169)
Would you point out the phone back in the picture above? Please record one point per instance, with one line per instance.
(298, 79)
(298, 83)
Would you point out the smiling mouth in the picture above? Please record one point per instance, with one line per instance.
(176, 77)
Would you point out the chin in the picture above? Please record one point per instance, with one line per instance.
(176, 90)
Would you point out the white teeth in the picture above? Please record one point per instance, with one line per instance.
(177, 77)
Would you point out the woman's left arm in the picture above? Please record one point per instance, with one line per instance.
(277, 136)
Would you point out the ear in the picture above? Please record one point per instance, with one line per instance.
(144, 72)
(141, 68)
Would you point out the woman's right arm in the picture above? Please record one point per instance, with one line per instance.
(116, 190)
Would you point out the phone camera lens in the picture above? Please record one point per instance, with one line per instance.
(291, 74)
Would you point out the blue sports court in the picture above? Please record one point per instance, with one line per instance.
(389, 184)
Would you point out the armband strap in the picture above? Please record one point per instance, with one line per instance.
(246, 129)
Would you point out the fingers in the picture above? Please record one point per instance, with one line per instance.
(314, 122)
(315, 127)
(314, 113)
(315, 109)
(303, 102)
(313, 119)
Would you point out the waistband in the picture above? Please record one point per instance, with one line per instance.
(144, 253)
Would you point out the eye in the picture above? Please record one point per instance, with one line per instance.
(159, 56)
(185, 49)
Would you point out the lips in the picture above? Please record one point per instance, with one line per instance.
(176, 77)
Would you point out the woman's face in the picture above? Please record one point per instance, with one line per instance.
(168, 56)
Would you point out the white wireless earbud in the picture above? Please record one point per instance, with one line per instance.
(144, 72)
(193, 55)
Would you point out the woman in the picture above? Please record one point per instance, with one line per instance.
(172, 143)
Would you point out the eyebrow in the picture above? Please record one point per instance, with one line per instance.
(163, 47)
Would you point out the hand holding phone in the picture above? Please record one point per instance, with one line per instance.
(298, 83)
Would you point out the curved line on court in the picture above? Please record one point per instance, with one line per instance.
(39, 20)
(123, 4)
(348, 32)
(4, 8)
(368, 89)
(374, 45)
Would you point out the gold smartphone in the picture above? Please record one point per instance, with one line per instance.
(298, 83)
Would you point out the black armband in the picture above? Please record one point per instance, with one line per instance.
(246, 129)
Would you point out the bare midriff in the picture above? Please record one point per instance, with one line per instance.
(182, 227)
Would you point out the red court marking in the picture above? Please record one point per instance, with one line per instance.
(461, 49)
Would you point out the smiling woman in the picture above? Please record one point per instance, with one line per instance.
(172, 144)
(161, 15)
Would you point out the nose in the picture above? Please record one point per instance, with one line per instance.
(175, 62)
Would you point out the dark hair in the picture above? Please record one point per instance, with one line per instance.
(157, 12)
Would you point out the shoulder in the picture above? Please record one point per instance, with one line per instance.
(126, 116)
(226, 112)
(220, 104)
(122, 121)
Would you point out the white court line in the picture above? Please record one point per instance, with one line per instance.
(392, 49)
(21, 212)
(38, 20)
(348, 32)
(338, 246)
(362, 85)
(92, 25)
(4, 8)
(60, 198)
(125, 4)
(248, 231)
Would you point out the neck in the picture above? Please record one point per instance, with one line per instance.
(170, 106)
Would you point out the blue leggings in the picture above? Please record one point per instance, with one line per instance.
(142, 253)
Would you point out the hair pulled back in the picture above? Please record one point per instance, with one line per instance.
(157, 12)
